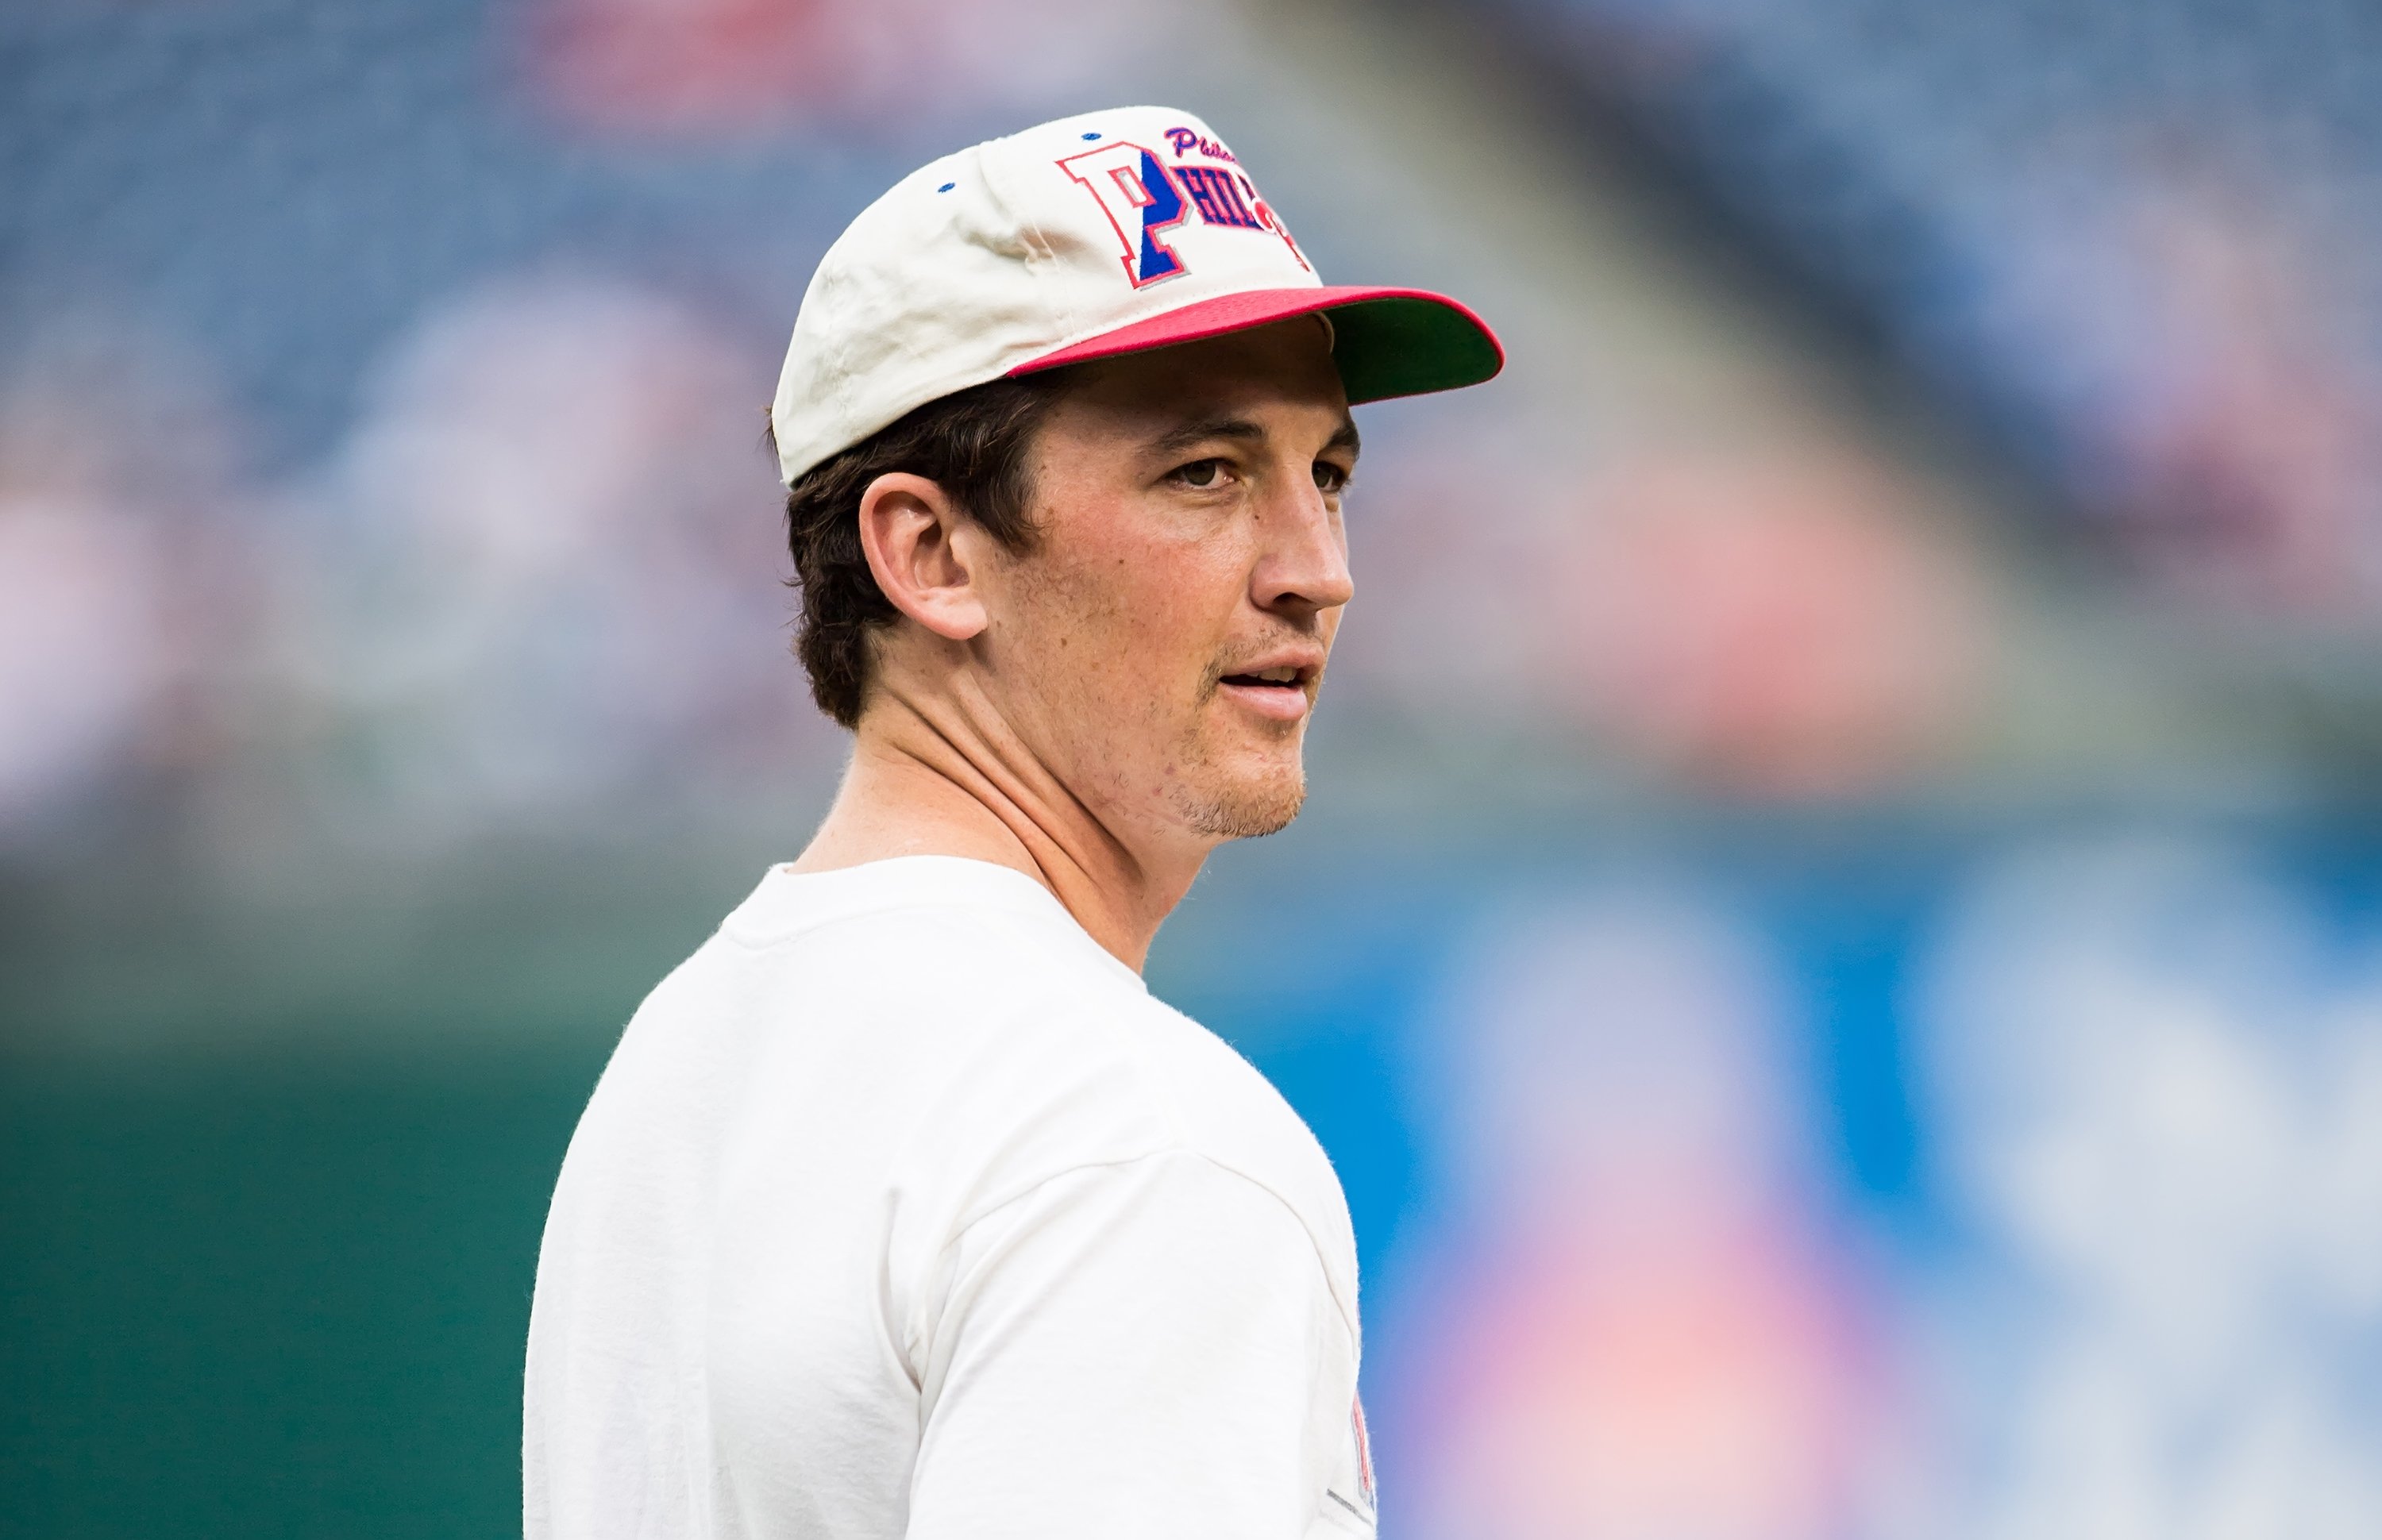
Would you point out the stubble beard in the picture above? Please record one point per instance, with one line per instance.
(1224, 808)
(1246, 811)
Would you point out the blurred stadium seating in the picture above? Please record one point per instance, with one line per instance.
(2136, 241)
(1834, 943)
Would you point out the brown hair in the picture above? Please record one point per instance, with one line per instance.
(974, 444)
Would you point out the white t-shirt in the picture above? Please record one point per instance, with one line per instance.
(902, 1209)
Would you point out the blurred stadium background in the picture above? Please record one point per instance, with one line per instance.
(1837, 945)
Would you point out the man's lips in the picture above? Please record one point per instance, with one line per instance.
(1272, 687)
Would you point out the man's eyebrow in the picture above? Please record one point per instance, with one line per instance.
(1202, 429)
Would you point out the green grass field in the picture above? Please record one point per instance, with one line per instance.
(269, 1295)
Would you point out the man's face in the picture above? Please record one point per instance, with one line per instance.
(1161, 647)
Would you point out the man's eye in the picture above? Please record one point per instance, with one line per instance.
(1201, 472)
(1330, 477)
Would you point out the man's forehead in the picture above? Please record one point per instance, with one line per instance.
(1287, 359)
(1199, 390)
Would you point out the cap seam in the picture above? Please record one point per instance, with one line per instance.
(1042, 257)
(1038, 240)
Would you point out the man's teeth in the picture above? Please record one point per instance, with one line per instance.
(1275, 676)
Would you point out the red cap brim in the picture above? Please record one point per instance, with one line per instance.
(1388, 342)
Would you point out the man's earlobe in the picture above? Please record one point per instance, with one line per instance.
(911, 530)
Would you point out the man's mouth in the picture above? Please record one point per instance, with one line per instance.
(1268, 679)
(1278, 692)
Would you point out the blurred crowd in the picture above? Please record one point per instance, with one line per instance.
(537, 579)
(408, 479)
(425, 494)
(2137, 240)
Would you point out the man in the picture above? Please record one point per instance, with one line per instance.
(901, 1207)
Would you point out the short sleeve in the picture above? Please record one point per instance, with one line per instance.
(1147, 1349)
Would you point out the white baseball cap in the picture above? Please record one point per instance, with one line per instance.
(1107, 233)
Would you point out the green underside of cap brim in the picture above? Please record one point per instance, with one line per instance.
(1408, 347)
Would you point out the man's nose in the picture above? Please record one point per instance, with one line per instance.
(1305, 564)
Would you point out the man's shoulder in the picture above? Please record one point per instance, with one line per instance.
(1101, 1078)
(1226, 1110)
(1061, 1059)
(1025, 1037)
(1008, 1044)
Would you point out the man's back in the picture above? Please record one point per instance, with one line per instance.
(903, 1209)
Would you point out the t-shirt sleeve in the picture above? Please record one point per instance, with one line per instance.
(1147, 1349)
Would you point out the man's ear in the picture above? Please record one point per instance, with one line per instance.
(914, 535)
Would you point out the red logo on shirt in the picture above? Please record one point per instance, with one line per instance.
(1364, 1450)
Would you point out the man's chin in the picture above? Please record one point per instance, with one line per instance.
(1249, 809)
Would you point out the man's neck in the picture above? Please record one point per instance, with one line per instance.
(940, 781)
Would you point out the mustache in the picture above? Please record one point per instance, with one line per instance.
(1246, 654)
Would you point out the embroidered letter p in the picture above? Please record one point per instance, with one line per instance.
(1138, 194)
